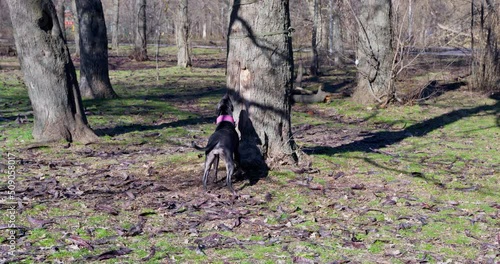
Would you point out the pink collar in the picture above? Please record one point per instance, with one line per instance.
(222, 118)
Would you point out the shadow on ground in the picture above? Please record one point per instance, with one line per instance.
(119, 130)
(377, 140)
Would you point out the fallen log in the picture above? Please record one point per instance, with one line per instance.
(307, 97)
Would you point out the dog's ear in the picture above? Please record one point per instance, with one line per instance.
(218, 109)
(229, 102)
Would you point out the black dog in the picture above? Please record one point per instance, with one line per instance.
(224, 141)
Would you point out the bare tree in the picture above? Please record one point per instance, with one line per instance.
(115, 41)
(163, 8)
(140, 52)
(6, 31)
(314, 7)
(259, 77)
(49, 73)
(182, 35)
(323, 41)
(94, 72)
(485, 30)
(374, 53)
(335, 33)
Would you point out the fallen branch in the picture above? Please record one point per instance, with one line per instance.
(319, 96)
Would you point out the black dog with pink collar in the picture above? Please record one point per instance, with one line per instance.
(224, 141)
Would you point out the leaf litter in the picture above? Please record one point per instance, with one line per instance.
(361, 200)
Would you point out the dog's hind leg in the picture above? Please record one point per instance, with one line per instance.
(209, 160)
(229, 170)
(216, 164)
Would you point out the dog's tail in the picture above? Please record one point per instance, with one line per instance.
(207, 149)
(196, 146)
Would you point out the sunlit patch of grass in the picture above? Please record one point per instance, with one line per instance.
(188, 255)
(17, 135)
(180, 159)
(290, 199)
(300, 118)
(376, 247)
(140, 246)
(103, 232)
(69, 256)
(42, 237)
(282, 175)
(264, 252)
(348, 108)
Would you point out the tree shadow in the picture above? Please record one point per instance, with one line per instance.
(119, 130)
(252, 160)
(434, 89)
(247, 31)
(413, 174)
(372, 142)
(336, 87)
(15, 107)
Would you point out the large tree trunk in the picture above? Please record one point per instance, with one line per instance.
(374, 53)
(182, 35)
(259, 77)
(140, 52)
(115, 42)
(76, 27)
(94, 73)
(49, 73)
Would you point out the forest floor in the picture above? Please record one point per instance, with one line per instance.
(412, 183)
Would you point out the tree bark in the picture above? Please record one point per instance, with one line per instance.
(115, 42)
(140, 52)
(485, 63)
(410, 19)
(316, 17)
(48, 73)
(335, 33)
(204, 30)
(182, 35)
(374, 53)
(94, 72)
(223, 21)
(76, 27)
(60, 16)
(259, 78)
(159, 33)
(323, 42)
